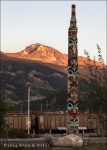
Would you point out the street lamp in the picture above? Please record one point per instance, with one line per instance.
(28, 122)
(41, 108)
(46, 105)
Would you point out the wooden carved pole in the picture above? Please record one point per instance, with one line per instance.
(72, 89)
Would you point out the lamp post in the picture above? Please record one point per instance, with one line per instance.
(29, 122)
(46, 105)
(41, 108)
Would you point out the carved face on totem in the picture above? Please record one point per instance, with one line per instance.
(72, 23)
(73, 32)
(72, 96)
(72, 49)
(72, 108)
(74, 125)
(75, 119)
(73, 63)
(73, 89)
(72, 41)
(73, 130)
(72, 75)
(73, 85)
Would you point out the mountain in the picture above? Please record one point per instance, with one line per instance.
(46, 54)
(83, 60)
(45, 78)
(45, 68)
(41, 53)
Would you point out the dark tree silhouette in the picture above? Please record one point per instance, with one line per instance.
(3, 109)
(97, 86)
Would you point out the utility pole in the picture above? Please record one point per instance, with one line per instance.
(21, 107)
(29, 122)
(46, 105)
(41, 108)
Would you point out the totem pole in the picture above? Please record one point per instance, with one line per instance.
(72, 89)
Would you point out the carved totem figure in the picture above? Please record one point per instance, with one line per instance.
(72, 101)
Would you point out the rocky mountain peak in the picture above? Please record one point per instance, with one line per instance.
(46, 54)
(48, 51)
(41, 53)
(30, 49)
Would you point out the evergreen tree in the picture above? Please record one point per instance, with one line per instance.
(2, 115)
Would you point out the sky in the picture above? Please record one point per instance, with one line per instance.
(28, 22)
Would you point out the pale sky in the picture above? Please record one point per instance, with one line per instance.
(27, 22)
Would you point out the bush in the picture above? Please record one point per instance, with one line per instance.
(17, 133)
(36, 136)
(49, 138)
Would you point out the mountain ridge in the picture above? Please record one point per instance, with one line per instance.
(40, 52)
(45, 77)
(47, 54)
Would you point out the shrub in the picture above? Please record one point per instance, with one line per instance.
(17, 133)
(49, 138)
(36, 136)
